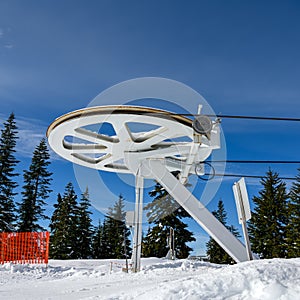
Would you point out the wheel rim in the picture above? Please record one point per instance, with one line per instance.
(78, 136)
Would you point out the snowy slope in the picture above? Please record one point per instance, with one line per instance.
(159, 279)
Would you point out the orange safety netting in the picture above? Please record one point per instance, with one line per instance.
(24, 247)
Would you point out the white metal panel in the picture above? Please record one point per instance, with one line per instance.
(129, 218)
(240, 192)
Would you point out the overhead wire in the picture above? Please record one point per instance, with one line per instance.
(253, 161)
(245, 161)
(243, 117)
(213, 173)
(257, 161)
(249, 176)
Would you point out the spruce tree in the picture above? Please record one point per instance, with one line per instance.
(164, 212)
(116, 232)
(56, 228)
(101, 244)
(36, 190)
(149, 246)
(293, 227)
(106, 244)
(64, 226)
(8, 163)
(60, 246)
(267, 227)
(85, 228)
(97, 242)
(216, 253)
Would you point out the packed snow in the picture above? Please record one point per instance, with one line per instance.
(158, 279)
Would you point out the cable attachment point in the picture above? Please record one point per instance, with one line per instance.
(202, 125)
(201, 172)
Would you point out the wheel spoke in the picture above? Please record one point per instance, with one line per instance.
(85, 148)
(94, 137)
(89, 159)
(123, 132)
(152, 137)
(109, 160)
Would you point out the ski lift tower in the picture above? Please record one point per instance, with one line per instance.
(166, 142)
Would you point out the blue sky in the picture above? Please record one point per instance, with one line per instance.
(242, 56)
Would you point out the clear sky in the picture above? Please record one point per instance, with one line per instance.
(242, 56)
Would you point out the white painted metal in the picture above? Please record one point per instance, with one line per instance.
(129, 218)
(243, 208)
(138, 220)
(242, 200)
(171, 244)
(169, 145)
(189, 163)
(171, 139)
(196, 209)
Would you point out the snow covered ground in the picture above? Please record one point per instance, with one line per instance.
(159, 279)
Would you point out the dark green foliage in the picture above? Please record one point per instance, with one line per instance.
(55, 221)
(116, 228)
(101, 244)
(216, 253)
(72, 234)
(7, 173)
(293, 227)
(64, 226)
(150, 246)
(97, 243)
(85, 228)
(36, 190)
(155, 242)
(108, 241)
(267, 227)
(164, 212)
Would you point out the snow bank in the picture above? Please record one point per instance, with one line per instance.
(269, 279)
(159, 279)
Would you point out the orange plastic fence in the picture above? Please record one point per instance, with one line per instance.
(24, 247)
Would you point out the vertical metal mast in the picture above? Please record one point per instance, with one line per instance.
(138, 220)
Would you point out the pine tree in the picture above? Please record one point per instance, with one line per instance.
(8, 163)
(36, 190)
(267, 227)
(164, 212)
(116, 232)
(215, 252)
(85, 227)
(64, 226)
(293, 227)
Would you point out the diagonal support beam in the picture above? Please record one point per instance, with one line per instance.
(156, 169)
